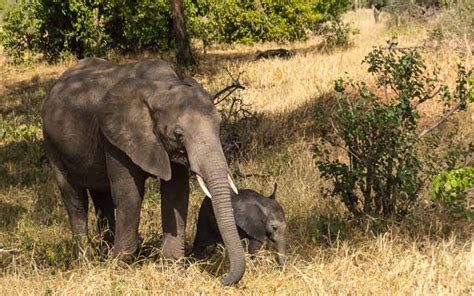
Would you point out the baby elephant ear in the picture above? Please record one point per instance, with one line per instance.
(251, 219)
(126, 122)
(273, 195)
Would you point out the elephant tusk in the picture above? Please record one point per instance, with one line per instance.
(203, 186)
(232, 185)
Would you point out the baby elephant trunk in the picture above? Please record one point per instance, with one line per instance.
(281, 249)
(278, 237)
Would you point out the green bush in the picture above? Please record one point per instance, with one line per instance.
(336, 34)
(451, 186)
(332, 8)
(84, 28)
(379, 173)
(51, 27)
(248, 21)
(134, 26)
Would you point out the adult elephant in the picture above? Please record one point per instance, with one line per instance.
(108, 127)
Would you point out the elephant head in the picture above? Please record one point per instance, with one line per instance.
(153, 120)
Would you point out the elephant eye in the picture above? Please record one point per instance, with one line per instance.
(178, 134)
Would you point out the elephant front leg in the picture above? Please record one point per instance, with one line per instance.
(174, 211)
(254, 246)
(127, 182)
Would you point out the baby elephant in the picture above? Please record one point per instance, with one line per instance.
(256, 216)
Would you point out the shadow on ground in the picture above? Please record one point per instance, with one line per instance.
(210, 62)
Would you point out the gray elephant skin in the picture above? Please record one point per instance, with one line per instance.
(109, 127)
(257, 218)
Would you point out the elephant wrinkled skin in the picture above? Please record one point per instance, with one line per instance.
(108, 127)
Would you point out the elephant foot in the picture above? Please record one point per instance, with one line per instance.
(173, 247)
(281, 260)
(125, 253)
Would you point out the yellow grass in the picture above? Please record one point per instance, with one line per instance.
(328, 254)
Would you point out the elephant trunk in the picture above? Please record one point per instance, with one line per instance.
(209, 162)
(281, 249)
(221, 204)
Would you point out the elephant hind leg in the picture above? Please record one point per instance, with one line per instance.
(76, 201)
(105, 210)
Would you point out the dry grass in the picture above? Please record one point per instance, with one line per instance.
(427, 254)
(386, 264)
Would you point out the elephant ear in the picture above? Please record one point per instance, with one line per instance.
(126, 122)
(250, 218)
(193, 82)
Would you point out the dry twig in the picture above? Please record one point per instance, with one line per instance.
(228, 89)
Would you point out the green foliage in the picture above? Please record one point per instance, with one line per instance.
(451, 186)
(25, 139)
(332, 8)
(52, 28)
(20, 31)
(380, 171)
(470, 82)
(84, 28)
(251, 21)
(134, 26)
(336, 34)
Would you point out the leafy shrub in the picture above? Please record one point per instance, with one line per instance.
(451, 186)
(85, 28)
(336, 34)
(251, 21)
(20, 31)
(53, 27)
(332, 8)
(380, 171)
(134, 26)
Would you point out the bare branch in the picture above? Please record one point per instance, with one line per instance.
(429, 97)
(228, 89)
(439, 122)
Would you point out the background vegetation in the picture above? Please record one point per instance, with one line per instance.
(427, 251)
(84, 28)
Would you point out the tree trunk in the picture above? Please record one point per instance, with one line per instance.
(184, 54)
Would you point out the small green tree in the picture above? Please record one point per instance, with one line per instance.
(378, 173)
